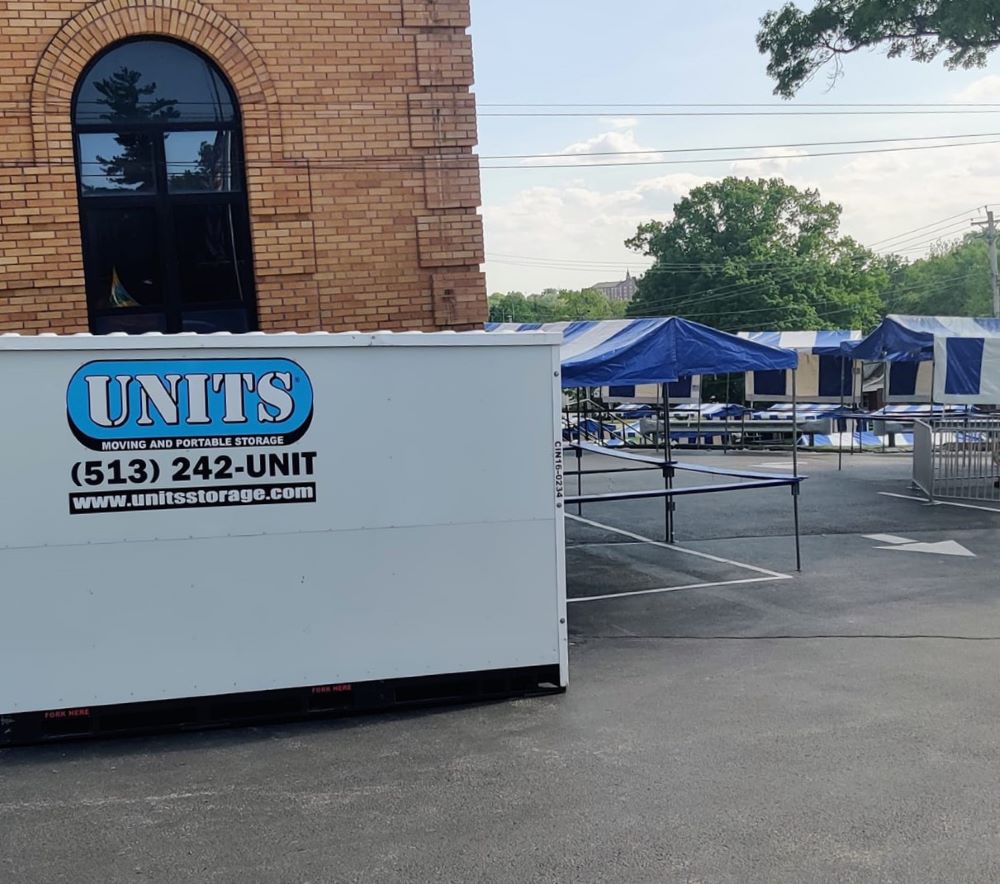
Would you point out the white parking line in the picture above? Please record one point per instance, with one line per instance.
(781, 464)
(777, 575)
(623, 595)
(924, 500)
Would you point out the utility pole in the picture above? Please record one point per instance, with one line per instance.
(989, 226)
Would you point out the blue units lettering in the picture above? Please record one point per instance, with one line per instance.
(178, 399)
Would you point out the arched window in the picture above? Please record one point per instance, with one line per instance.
(163, 207)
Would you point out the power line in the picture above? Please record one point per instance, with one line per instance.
(682, 309)
(605, 265)
(687, 162)
(379, 105)
(414, 162)
(775, 104)
(924, 227)
(927, 237)
(696, 299)
(730, 290)
(673, 150)
(653, 270)
(905, 241)
(660, 267)
(753, 113)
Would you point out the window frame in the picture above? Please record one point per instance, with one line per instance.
(162, 201)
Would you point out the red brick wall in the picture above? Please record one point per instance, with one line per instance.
(358, 132)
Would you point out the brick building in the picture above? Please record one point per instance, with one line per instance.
(237, 164)
(618, 290)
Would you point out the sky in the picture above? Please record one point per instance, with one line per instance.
(566, 227)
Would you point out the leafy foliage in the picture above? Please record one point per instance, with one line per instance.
(744, 254)
(801, 43)
(554, 305)
(953, 281)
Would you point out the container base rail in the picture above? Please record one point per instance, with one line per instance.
(265, 707)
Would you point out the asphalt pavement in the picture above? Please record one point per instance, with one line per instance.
(760, 725)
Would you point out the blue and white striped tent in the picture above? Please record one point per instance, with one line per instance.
(900, 338)
(909, 382)
(823, 373)
(914, 411)
(599, 353)
(954, 351)
(862, 440)
(710, 411)
(967, 370)
(823, 342)
(685, 390)
(809, 411)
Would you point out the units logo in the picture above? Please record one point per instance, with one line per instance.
(189, 403)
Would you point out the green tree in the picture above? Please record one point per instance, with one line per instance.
(128, 102)
(800, 43)
(515, 307)
(554, 305)
(744, 254)
(954, 280)
(589, 304)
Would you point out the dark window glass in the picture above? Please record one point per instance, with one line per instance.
(200, 161)
(835, 376)
(770, 383)
(903, 378)
(208, 321)
(679, 389)
(123, 263)
(129, 322)
(116, 162)
(166, 234)
(210, 242)
(152, 81)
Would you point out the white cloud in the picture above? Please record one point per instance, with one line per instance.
(574, 235)
(608, 147)
(888, 194)
(620, 122)
(577, 229)
(985, 90)
(773, 162)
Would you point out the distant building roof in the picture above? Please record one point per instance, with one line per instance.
(619, 289)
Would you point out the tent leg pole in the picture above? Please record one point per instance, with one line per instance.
(795, 471)
(668, 470)
(795, 513)
(840, 436)
(579, 453)
(699, 411)
(725, 439)
(658, 434)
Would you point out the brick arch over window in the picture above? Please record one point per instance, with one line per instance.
(86, 34)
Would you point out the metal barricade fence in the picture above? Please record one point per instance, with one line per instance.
(957, 457)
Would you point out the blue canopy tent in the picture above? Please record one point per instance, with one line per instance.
(668, 351)
(602, 353)
(606, 352)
